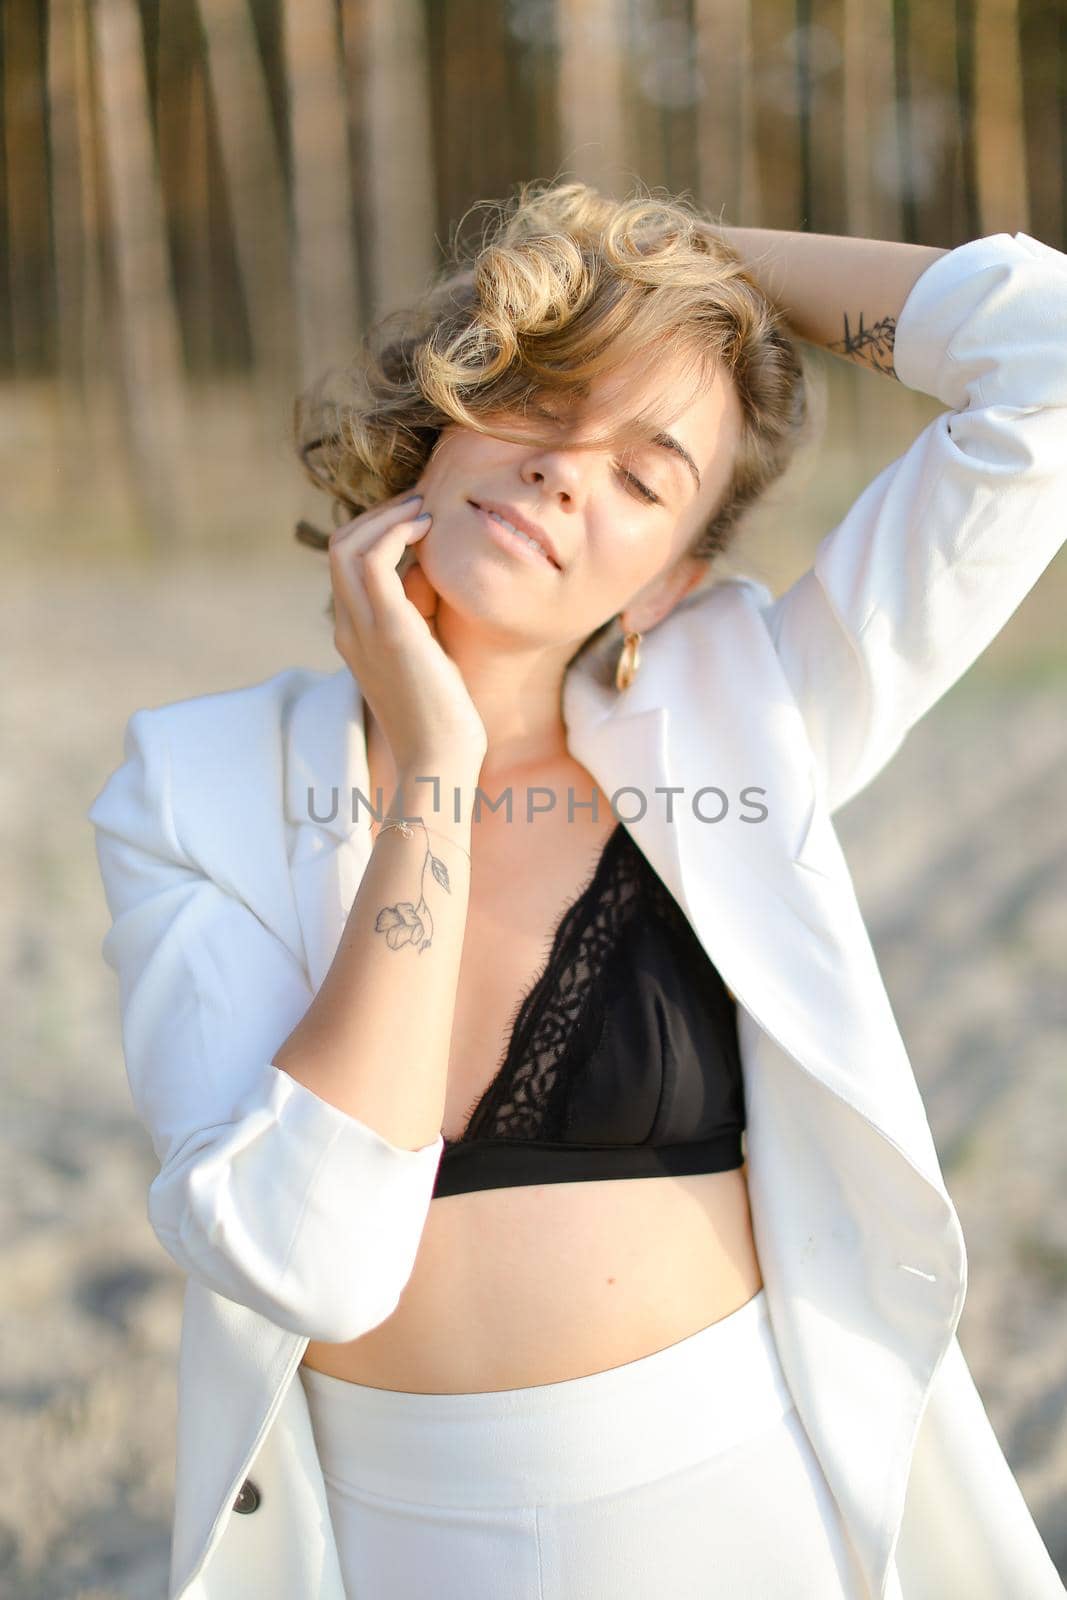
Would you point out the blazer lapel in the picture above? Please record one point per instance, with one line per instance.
(771, 901)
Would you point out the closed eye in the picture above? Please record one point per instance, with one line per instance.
(642, 488)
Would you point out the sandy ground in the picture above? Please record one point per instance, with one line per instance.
(960, 865)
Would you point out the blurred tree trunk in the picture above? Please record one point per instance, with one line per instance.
(872, 154)
(387, 61)
(1043, 49)
(184, 155)
(327, 290)
(966, 110)
(72, 258)
(89, 395)
(487, 105)
(905, 118)
(726, 139)
(660, 93)
(1003, 196)
(147, 323)
(592, 77)
(938, 173)
(779, 146)
(94, 311)
(25, 146)
(255, 187)
(827, 140)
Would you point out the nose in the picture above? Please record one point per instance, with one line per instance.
(560, 472)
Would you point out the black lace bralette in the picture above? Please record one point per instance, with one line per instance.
(623, 1057)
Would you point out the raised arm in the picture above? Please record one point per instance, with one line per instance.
(841, 293)
(941, 547)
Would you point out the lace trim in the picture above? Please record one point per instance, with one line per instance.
(562, 1008)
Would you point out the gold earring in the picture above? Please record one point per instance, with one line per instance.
(628, 662)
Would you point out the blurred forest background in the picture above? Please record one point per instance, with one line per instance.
(206, 203)
(203, 203)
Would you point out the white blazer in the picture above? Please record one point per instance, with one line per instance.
(294, 1220)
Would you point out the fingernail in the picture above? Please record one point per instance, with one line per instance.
(411, 499)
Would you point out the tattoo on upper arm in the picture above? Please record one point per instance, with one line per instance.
(406, 922)
(873, 345)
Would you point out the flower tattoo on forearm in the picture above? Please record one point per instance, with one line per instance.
(406, 922)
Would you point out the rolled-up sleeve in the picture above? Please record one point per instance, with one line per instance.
(267, 1193)
(942, 546)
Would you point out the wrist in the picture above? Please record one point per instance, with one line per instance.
(439, 791)
(457, 834)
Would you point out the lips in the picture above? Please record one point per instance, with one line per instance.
(513, 515)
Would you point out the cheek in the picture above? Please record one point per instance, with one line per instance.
(435, 473)
(629, 555)
(443, 459)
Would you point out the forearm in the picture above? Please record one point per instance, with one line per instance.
(375, 1040)
(842, 293)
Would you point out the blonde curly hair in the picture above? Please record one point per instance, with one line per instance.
(564, 286)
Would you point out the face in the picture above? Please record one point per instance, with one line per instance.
(617, 524)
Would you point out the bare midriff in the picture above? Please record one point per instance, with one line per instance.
(543, 1282)
(537, 1284)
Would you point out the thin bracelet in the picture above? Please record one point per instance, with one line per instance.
(402, 824)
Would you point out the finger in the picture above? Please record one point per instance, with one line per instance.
(369, 524)
(347, 554)
(378, 563)
(365, 573)
(346, 568)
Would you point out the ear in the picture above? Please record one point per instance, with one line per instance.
(661, 599)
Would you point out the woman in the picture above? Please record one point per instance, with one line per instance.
(438, 1336)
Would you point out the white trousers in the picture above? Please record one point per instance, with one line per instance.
(687, 1473)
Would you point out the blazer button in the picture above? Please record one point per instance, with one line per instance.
(247, 1498)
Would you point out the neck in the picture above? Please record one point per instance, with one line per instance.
(518, 696)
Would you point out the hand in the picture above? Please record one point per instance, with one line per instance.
(385, 631)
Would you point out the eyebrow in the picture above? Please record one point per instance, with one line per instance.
(667, 441)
